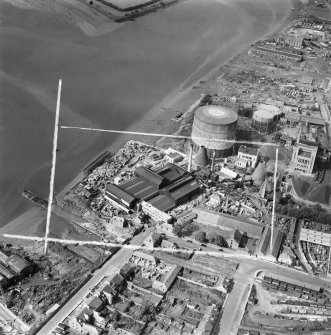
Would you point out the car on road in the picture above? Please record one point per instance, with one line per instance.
(220, 249)
(203, 245)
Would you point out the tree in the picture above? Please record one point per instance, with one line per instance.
(283, 201)
(176, 229)
(200, 236)
(207, 99)
(218, 240)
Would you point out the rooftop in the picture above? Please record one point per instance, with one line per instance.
(17, 263)
(248, 150)
(227, 221)
(216, 114)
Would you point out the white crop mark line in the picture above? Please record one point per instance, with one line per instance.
(51, 183)
(212, 140)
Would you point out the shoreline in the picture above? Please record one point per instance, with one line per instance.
(158, 117)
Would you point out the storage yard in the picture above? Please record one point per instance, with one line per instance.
(286, 306)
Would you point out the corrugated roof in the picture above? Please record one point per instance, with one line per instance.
(6, 272)
(148, 175)
(184, 190)
(17, 263)
(119, 193)
(140, 188)
(162, 202)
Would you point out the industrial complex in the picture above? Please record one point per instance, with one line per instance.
(222, 227)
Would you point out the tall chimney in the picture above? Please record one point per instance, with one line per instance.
(212, 166)
(189, 168)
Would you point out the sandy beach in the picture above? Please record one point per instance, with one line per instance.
(181, 97)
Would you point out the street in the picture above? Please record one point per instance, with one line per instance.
(110, 267)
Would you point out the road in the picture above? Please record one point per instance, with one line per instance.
(110, 267)
(235, 303)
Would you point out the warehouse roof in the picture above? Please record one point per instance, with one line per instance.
(183, 188)
(227, 221)
(162, 202)
(6, 272)
(139, 188)
(119, 193)
(17, 263)
(171, 172)
(162, 187)
(149, 175)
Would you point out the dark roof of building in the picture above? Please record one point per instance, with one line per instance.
(312, 120)
(248, 150)
(183, 188)
(162, 202)
(172, 172)
(308, 143)
(277, 242)
(6, 272)
(119, 193)
(149, 175)
(125, 269)
(163, 189)
(117, 279)
(108, 289)
(17, 263)
(139, 188)
(95, 303)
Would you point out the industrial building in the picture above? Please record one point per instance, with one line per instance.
(303, 157)
(157, 191)
(247, 156)
(227, 222)
(283, 53)
(13, 267)
(214, 128)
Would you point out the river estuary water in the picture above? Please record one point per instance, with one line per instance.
(109, 81)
